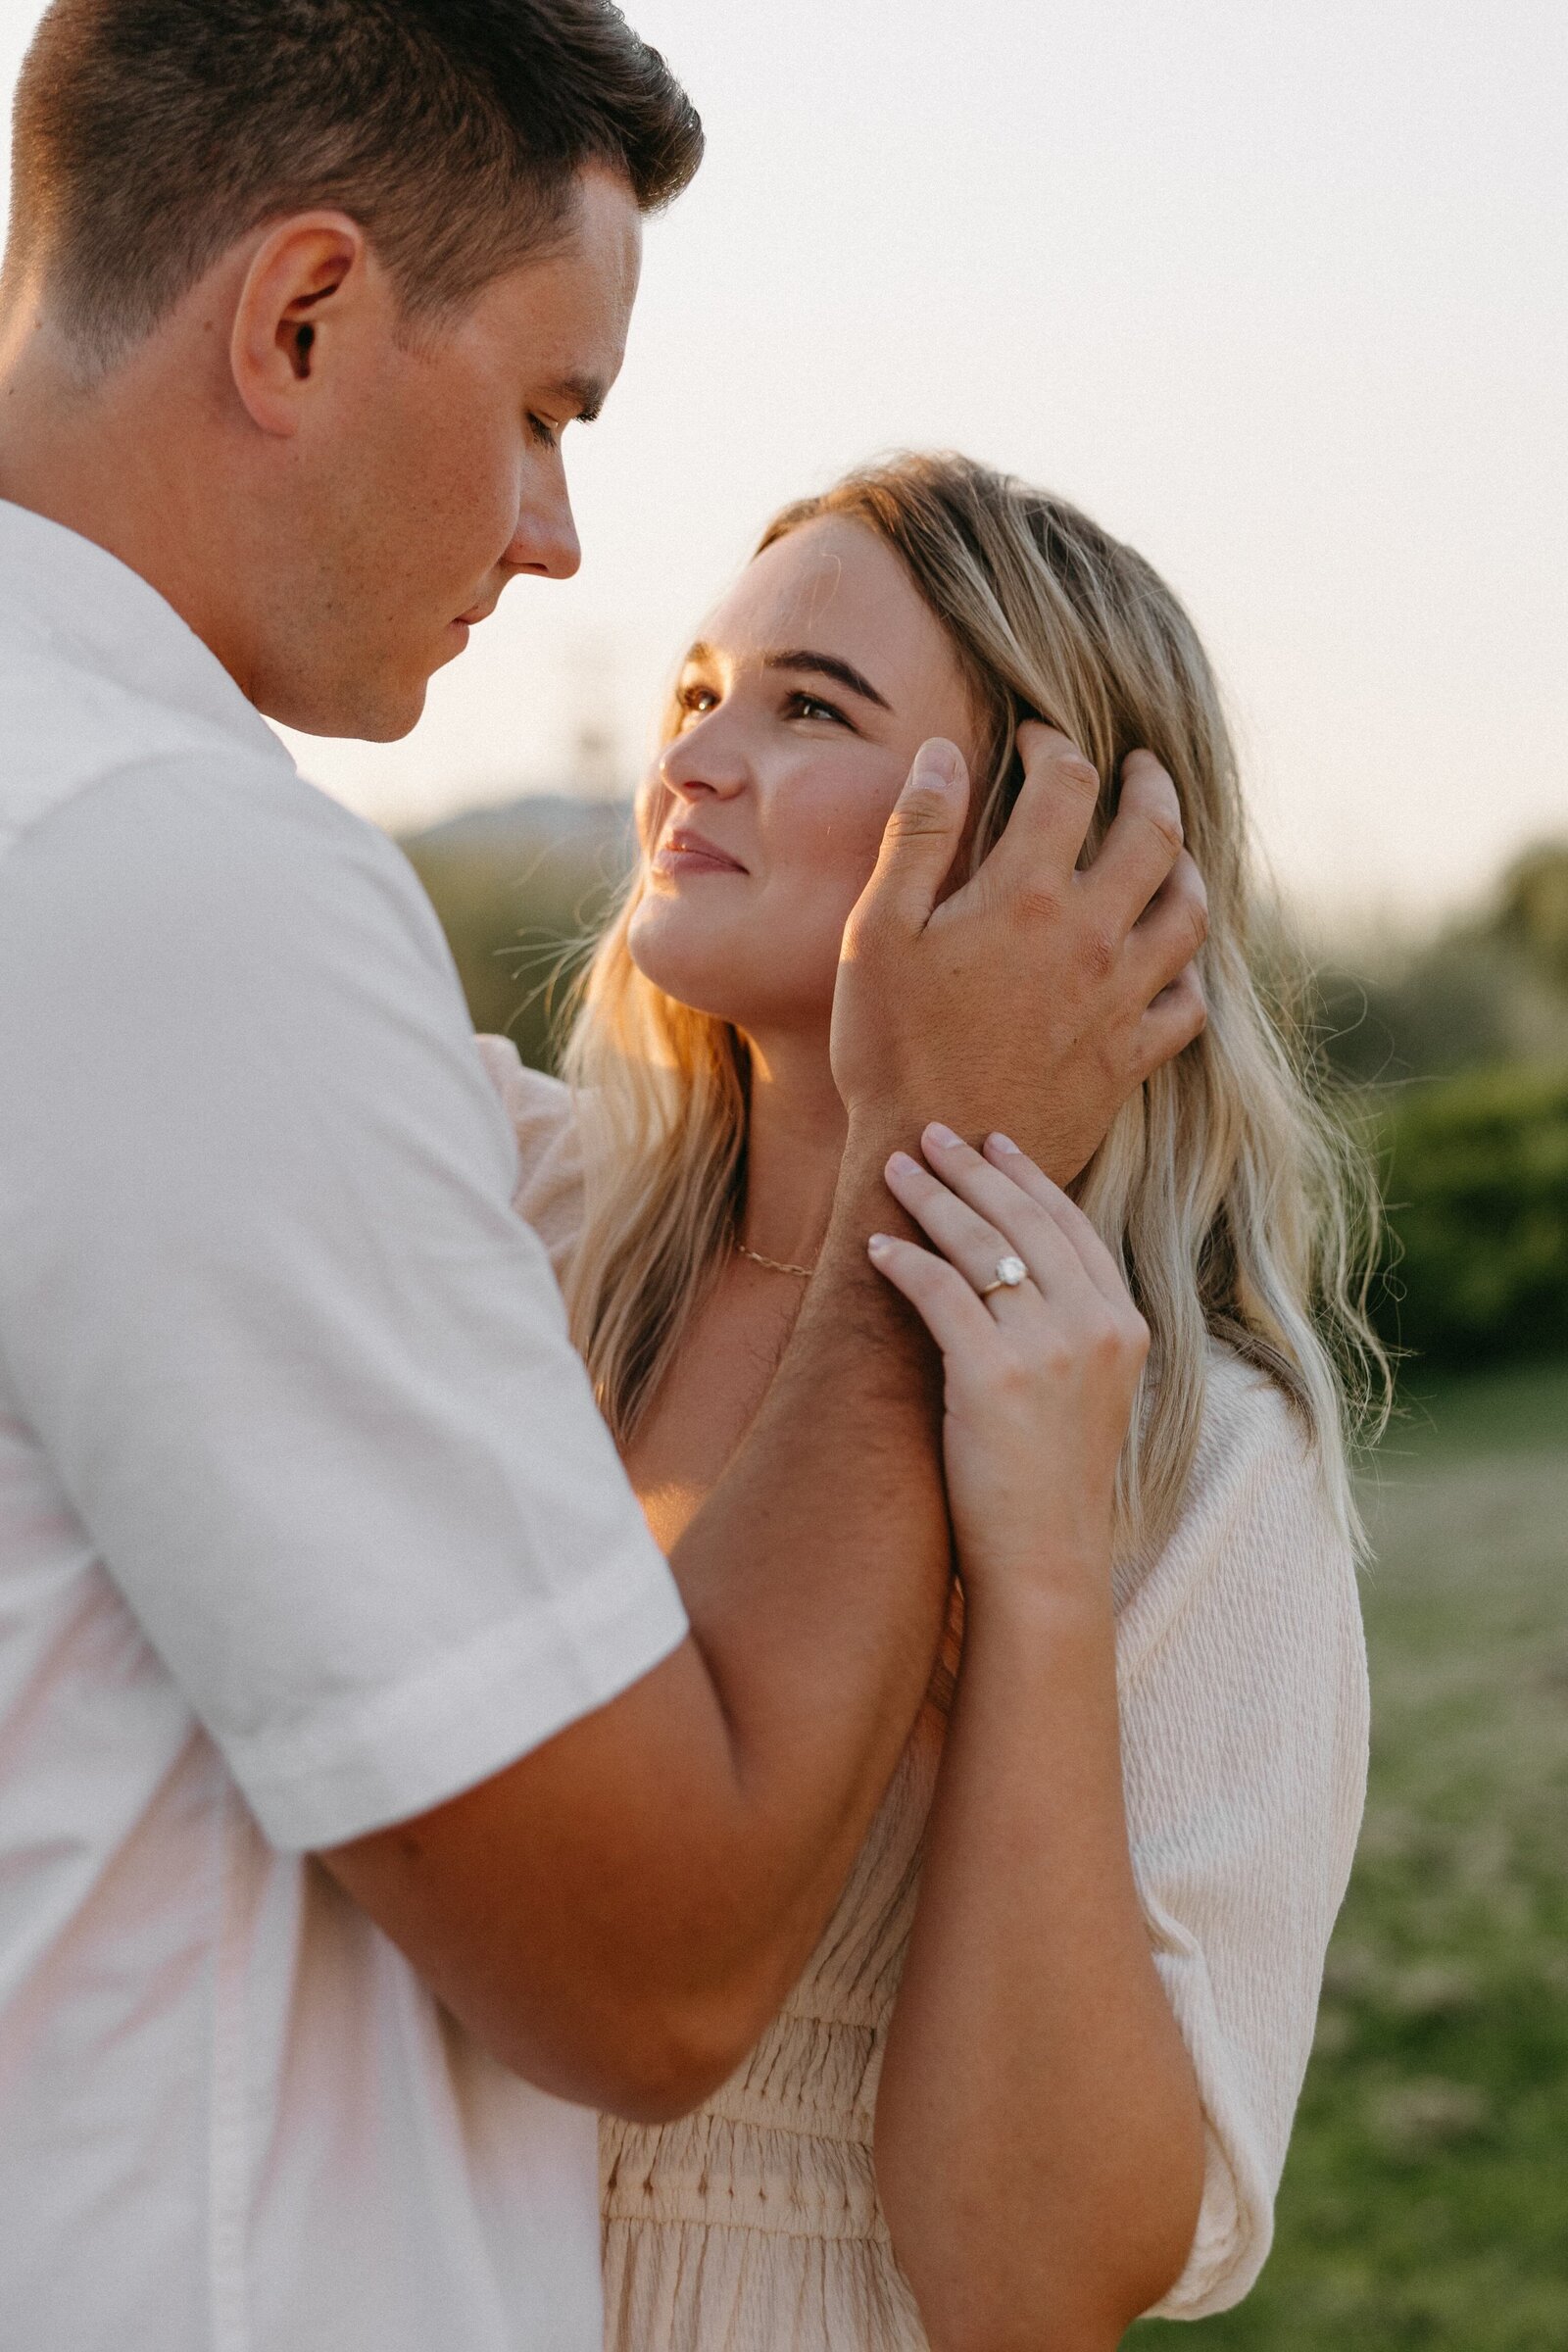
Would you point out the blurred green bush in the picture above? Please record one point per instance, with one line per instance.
(1488, 990)
(1476, 1182)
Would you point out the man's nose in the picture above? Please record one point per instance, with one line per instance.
(546, 542)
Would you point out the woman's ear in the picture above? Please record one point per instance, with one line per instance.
(306, 280)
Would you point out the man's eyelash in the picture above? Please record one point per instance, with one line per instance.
(548, 435)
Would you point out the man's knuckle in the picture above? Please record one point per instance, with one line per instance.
(918, 815)
(1194, 1011)
(1078, 774)
(1195, 917)
(1038, 899)
(1166, 827)
(1099, 951)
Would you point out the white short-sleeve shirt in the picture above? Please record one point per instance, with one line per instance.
(307, 1522)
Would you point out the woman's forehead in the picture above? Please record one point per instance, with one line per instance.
(831, 583)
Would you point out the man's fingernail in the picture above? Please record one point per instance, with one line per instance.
(936, 1133)
(1005, 1143)
(939, 763)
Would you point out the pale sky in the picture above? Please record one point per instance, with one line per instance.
(1276, 288)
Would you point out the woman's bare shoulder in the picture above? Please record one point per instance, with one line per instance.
(549, 1157)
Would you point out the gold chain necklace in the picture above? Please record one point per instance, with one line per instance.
(775, 1265)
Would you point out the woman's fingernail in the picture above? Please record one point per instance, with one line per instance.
(900, 1164)
(1004, 1143)
(936, 1133)
(880, 1244)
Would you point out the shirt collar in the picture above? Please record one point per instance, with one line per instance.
(102, 617)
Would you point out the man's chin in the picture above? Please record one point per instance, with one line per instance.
(373, 715)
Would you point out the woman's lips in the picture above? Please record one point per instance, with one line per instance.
(682, 852)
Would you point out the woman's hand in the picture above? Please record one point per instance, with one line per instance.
(1041, 1378)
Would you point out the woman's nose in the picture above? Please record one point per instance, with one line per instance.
(707, 760)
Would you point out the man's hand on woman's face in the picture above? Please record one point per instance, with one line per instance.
(1038, 999)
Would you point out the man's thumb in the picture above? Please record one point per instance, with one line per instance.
(923, 832)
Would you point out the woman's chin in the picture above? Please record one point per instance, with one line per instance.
(727, 972)
(745, 1001)
(694, 979)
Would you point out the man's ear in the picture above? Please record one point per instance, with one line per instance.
(305, 279)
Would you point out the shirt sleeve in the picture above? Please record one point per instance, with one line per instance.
(301, 1373)
(1243, 1703)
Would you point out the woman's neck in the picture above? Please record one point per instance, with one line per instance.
(795, 1144)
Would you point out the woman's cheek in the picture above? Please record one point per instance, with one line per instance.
(845, 838)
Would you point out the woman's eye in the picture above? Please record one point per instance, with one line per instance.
(811, 706)
(695, 701)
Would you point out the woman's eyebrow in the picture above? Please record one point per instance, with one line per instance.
(828, 666)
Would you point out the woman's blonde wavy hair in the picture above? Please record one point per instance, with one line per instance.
(1240, 1208)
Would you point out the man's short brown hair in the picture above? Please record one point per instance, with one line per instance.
(149, 134)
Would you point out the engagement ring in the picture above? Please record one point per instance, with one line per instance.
(1010, 1271)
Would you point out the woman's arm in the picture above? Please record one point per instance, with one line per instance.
(1040, 2139)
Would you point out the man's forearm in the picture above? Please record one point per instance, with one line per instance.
(618, 1913)
(817, 1576)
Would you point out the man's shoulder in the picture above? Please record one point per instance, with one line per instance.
(72, 736)
(95, 776)
(204, 868)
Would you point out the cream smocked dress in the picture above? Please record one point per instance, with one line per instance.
(753, 2225)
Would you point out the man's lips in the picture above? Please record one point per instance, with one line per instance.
(683, 852)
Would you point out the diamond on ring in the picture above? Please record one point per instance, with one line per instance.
(1011, 1272)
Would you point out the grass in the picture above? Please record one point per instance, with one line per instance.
(1425, 2204)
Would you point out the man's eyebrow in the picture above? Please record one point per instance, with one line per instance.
(828, 666)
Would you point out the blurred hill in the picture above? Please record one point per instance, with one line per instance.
(521, 891)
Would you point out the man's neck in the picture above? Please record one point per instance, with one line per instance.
(102, 459)
(794, 1145)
